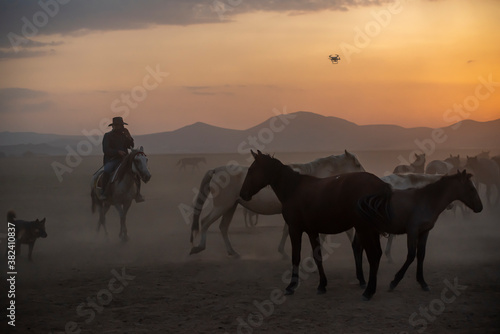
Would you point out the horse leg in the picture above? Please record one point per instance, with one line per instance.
(371, 243)
(118, 208)
(296, 240)
(318, 259)
(357, 249)
(422, 241)
(281, 247)
(123, 221)
(224, 227)
(488, 195)
(215, 214)
(412, 248)
(102, 218)
(388, 247)
(350, 234)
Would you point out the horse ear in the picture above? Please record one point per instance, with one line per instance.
(253, 154)
(141, 149)
(259, 152)
(346, 153)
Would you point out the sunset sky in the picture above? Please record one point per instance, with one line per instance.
(230, 63)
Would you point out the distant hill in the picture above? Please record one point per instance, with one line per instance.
(296, 132)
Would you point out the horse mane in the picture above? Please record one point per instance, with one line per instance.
(437, 184)
(126, 164)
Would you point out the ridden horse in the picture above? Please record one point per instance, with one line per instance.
(123, 189)
(193, 162)
(320, 205)
(224, 184)
(415, 211)
(415, 167)
(487, 172)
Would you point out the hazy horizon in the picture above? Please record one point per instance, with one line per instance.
(242, 129)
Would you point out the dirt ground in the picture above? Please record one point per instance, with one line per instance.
(81, 282)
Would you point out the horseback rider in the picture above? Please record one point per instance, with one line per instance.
(115, 145)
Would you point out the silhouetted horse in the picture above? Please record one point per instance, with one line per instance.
(194, 162)
(438, 167)
(487, 172)
(415, 167)
(320, 205)
(415, 211)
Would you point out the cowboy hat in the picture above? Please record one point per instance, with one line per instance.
(118, 121)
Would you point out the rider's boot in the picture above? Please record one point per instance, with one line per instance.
(105, 181)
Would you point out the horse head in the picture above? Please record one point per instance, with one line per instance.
(258, 176)
(354, 164)
(467, 192)
(419, 159)
(140, 164)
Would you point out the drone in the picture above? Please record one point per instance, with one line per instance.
(335, 59)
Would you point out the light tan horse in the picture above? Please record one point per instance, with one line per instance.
(224, 184)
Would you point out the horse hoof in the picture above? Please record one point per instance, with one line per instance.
(234, 255)
(392, 286)
(195, 250)
(426, 288)
(366, 297)
(289, 292)
(362, 285)
(285, 257)
(321, 291)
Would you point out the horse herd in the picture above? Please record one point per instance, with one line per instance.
(326, 196)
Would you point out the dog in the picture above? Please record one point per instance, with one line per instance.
(27, 232)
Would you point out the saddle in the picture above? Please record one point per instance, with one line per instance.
(98, 179)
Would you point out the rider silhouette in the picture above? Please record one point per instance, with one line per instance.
(115, 145)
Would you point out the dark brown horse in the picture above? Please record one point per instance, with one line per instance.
(415, 211)
(320, 205)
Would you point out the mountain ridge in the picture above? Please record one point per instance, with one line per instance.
(300, 132)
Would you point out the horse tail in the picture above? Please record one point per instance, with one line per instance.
(200, 201)
(377, 208)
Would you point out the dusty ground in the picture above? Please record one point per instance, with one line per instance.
(81, 282)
